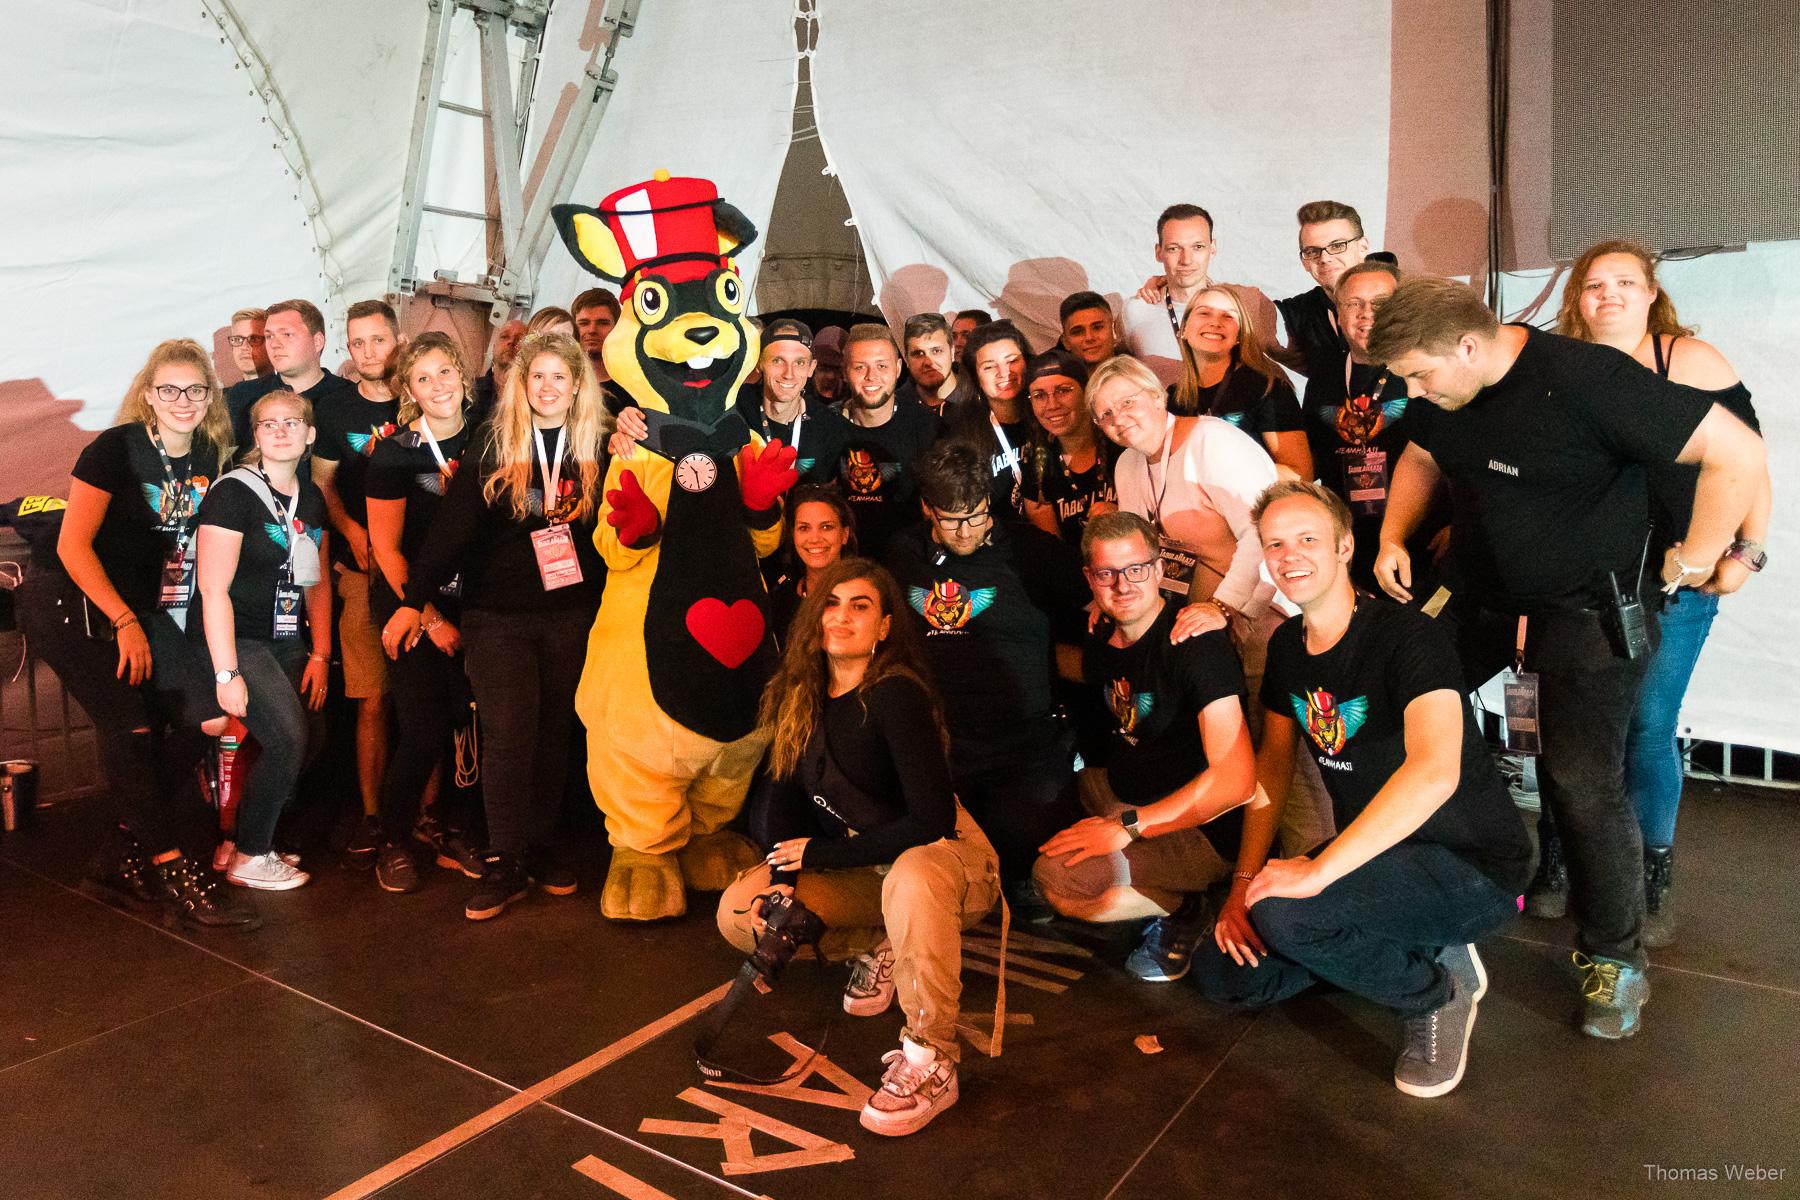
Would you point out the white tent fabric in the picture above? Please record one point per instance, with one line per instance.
(147, 188)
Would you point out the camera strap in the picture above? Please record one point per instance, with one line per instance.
(718, 1017)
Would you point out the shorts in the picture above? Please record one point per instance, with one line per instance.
(359, 641)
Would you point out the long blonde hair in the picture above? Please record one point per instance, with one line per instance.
(510, 431)
(795, 698)
(1248, 352)
(409, 356)
(215, 424)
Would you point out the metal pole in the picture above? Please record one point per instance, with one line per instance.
(418, 152)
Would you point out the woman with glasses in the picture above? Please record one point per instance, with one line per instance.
(408, 476)
(1226, 373)
(106, 613)
(517, 529)
(996, 419)
(1070, 476)
(265, 609)
(867, 832)
(1613, 297)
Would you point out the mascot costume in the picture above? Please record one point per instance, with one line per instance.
(681, 648)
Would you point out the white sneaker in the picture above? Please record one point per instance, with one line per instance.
(870, 991)
(919, 1084)
(265, 872)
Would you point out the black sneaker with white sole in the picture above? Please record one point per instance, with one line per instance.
(503, 881)
(364, 843)
(395, 870)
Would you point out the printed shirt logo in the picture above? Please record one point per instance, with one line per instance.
(437, 481)
(279, 536)
(566, 503)
(1495, 464)
(1329, 722)
(1359, 419)
(174, 505)
(1234, 419)
(864, 475)
(1131, 709)
(364, 443)
(948, 605)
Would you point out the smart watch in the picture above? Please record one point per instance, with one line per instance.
(1129, 819)
(1751, 554)
(225, 676)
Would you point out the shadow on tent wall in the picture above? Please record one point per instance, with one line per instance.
(39, 440)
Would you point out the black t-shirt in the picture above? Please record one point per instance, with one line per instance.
(239, 398)
(1155, 693)
(890, 789)
(822, 434)
(1672, 484)
(989, 620)
(875, 473)
(1313, 332)
(1252, 402)
(1049, 480)
(263, 555)
(403, 468)
(1349, 704)
(1552, 458)
(350, 428)
(491, 551)
(146, 516)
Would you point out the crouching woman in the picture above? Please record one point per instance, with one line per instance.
(867, 832)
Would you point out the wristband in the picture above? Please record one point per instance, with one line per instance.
(324, 658)
(433, 624)
(1243, 875)
(130, 618)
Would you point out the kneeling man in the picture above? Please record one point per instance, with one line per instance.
(1432, 856)
(1178, 757)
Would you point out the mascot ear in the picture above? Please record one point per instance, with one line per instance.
(735, 229)
(589, 240)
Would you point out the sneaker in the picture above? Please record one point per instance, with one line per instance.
(1548, 896)
(364, 843)
(395, 870)
(1167, 950)
(1028, 904)
(919, 1084)
(1437, 1046)
(870, 991)
(1659, 896)
(502, 882)
(450, 849)
(192, 896)
(121, 871)
(265, 872)
(550, 876)
(1613, 995)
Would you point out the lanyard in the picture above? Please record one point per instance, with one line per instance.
(436, 451)
(1006, 451)
(1174, 321)
(793, 431)
(177, 491)
(1374, 392)
(552, 476)
(1155, 501)
(287, 521)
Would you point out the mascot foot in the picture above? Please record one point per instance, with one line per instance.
(710, 862)
(642, 887)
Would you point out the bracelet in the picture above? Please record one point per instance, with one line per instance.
(130, 618)
(433, 624)
(324, 658)
(1243, 875)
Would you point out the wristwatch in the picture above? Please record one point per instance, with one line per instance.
(1751, 554)
(1129, 819)
(225, 676)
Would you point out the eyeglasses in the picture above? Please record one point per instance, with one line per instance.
(1111, 415)
(245, 339)
(194, 392)
(1061, 391)
(285, 425)
(1131, 572)
(951, 524)
(1315, 253)
(1355, 304)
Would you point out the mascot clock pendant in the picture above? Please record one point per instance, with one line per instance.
(696, 472)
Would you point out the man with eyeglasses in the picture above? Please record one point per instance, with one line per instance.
(1152, 319)
(1331, 242)
(994, 599)
(881, 439)
(246, 342)
(294, 337)
(1164, 803)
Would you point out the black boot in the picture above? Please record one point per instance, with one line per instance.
(1659, 896)
(122, 871)
(195, 895)
(1548, 895)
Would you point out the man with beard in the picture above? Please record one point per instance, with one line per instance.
(881, 439)
(500, 361)
(932, 378)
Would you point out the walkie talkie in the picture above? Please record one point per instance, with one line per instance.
(1629, 627)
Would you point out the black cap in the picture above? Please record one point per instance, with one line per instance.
(787, 329)
(1056, 361)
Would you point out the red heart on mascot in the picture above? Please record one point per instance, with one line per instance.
(729, 632)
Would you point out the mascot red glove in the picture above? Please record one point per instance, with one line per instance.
(632, 513)
(764, 477)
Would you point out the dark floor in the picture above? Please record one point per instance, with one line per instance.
(366, 1044)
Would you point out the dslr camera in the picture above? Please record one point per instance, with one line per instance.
(787, 926)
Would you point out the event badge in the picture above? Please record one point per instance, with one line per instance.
(1522, 712)
(177, 582)
(1365, 477)
(557, 564)
(287, 611)
(1179, 561)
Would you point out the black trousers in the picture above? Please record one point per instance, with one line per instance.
(1587, 693)
(149, 744)
(1020, 804)
(430, 700)
(524, 668)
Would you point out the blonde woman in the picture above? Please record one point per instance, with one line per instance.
(1226, 373)
(517, 529)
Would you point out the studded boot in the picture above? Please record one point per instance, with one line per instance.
(1659, 896)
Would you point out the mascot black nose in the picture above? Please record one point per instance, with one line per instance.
(702, 334)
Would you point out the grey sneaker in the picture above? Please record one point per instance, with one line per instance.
(1437, 1045)
(1613, 995)
(870, 991)
(919, 1084)
(1167, 950)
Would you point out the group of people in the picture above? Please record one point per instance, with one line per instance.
(1120, 629)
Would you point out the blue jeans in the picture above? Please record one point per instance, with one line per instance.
(1375, 933)
(1652, 758)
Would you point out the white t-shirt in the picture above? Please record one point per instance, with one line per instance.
(1150, 338)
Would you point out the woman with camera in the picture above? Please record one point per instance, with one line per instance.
(867, 833)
